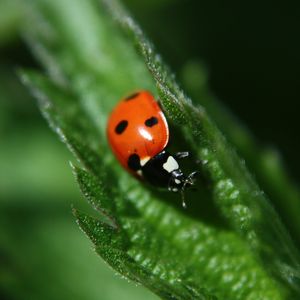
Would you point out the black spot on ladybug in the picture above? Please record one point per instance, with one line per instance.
(121, 126)
(131, 97)
(151, 121)
(134, 162)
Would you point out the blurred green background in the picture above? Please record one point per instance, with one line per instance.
(251, 54)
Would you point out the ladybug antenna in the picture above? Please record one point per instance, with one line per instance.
(188, 181)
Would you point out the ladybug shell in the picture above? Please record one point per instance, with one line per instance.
(137, 126)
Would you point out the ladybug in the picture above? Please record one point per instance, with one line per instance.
(138, 134)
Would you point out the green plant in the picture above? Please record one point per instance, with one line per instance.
(229, 243)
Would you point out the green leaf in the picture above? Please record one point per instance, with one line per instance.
(265, 162)
(229, 243)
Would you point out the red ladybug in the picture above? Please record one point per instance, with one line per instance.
(138, 134)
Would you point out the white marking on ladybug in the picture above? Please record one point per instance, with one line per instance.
(140, 173)
(174, 190)
(177, 181)
(171, 164)
(144, 160)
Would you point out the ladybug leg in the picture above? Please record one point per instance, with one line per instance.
(191, 178)
(181, 155)
(192, 175)
(190, 181)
